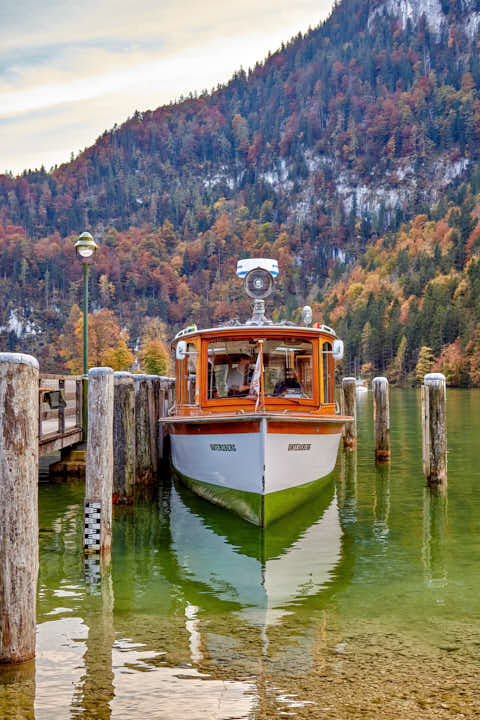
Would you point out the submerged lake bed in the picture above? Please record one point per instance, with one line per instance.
(362, 604)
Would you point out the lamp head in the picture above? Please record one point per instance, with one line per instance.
(307, 315)
(85, 246)
(258, 284)
(258, 276)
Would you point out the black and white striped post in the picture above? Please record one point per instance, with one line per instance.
(99, 470)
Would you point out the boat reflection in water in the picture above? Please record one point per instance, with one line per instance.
(262, 573)
(210, 605)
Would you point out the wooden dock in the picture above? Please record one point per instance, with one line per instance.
(60, 411)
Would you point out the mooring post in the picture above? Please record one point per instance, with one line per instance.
(161, 426)
(349, 392)
(143, 446)
(99, 470)
(153, 415)
(381, 418)
(434, 428)
(123, 438)
(165, 384)
(18, 506)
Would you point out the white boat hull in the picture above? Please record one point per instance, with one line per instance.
(269, 460)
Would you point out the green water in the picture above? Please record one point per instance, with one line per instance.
(365, 603)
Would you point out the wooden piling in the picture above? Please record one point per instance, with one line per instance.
(381, 418)
(434, 428)
(161, 426)
(18, 506)
(349, 393)
(99, 470)
(123, 438)
(425, 432)
(143, 443)
(163, 446)
(154, 385)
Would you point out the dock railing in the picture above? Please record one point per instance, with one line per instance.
(59, 412)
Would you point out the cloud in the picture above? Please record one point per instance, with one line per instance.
(98, 61)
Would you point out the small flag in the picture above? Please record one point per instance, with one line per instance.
(255, 382)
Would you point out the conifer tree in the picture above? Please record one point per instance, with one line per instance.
(396, 372)
(425, 362)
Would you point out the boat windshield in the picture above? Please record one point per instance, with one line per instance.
(287, 366)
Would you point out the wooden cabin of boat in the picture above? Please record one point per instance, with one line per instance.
(306, 353)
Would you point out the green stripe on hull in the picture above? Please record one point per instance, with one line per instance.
(261, 510)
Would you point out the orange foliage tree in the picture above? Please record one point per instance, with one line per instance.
(106, 342)
(453, 364)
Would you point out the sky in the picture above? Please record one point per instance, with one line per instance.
(70, 70)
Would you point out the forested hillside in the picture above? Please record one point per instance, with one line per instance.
(351, 154)
(413, 299)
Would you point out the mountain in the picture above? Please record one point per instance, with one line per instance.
(439, 16)
(334, 141)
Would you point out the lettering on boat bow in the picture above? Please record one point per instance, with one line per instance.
(223, 447)
(299, 447)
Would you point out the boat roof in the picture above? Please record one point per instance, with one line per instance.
(253, 329)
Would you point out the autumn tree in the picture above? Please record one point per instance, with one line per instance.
(155, 358)
(118, 357)
(453, 364)
(424, 364)
(474, 351)
(106, 289)
(367, 371)
(106, 341)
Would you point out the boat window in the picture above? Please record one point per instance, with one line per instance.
(230, 368)
(190, 366)
(288, 368)
(327, 372)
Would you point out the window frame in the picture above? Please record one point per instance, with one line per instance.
(182, 375)
(330, 364)
(270, 402)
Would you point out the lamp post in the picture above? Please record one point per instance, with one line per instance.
(85, 248)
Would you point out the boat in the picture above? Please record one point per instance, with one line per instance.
(254, 427)
(361, 386)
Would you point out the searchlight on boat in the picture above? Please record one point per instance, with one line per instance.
(258, 281)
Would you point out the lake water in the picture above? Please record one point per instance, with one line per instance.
(366, 603)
